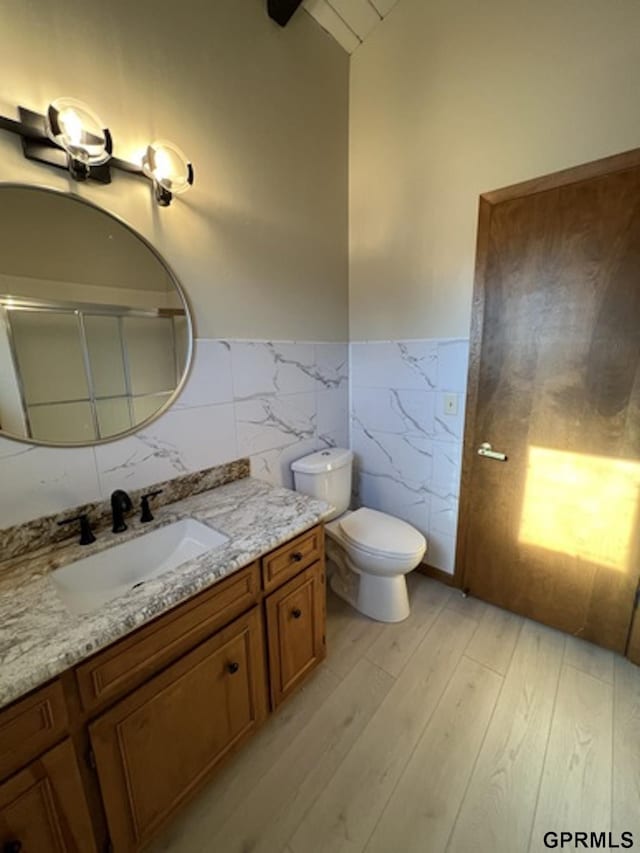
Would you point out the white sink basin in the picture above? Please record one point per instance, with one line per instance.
(88, 583)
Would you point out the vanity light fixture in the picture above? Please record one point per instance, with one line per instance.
(169, 170)
(77, 129)
(72, 137)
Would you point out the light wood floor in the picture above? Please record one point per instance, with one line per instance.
(463, 729)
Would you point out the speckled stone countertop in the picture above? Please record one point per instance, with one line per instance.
(40, 637)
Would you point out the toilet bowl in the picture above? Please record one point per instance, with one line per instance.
(373, 552)
(369, 552)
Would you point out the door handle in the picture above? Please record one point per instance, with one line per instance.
(486, 450)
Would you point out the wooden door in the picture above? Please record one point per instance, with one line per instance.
(553, 531)
(155, 748)
(43, 808)
(296, 616)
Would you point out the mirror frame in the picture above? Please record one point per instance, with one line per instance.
(188, 314)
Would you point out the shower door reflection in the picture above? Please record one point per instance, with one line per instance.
(107, 368)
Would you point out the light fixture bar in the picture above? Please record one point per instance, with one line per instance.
(37, 145)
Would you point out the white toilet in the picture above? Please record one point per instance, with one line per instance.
(371, 551)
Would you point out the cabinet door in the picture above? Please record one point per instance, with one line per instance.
(43, 808)
(296, 616)
(154, 748)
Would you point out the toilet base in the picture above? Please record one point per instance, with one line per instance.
(384, 599)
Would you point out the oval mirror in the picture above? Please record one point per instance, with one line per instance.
(95, 331)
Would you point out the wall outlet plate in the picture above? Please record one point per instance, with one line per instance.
(451, 404)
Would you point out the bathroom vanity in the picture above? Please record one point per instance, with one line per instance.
(102, 755)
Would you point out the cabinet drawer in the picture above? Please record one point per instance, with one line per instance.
(127, 664)
(296, 616)
(285, 562)
(43, 808)
(156, 747)
(30, 726)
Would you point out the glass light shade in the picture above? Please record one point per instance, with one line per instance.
(76, 128)
(167, 166)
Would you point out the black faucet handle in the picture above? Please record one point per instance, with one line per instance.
(86, 534)
(146, 515)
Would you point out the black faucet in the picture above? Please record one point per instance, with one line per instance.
(120, 503)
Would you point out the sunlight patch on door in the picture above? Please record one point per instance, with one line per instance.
(581, 505)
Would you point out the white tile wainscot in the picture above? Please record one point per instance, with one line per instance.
(272, 401)
(408, 451)
(291, 399)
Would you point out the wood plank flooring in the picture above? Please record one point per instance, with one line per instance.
(462, 729)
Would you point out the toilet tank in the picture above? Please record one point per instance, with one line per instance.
(326, 475)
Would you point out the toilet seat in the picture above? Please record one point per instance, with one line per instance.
(377, 533)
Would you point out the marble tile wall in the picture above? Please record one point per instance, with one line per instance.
(273, 402)
(407, 449)
(270, 401)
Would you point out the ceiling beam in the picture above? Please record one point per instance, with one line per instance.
(282, 10)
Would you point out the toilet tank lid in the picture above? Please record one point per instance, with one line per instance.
(323, 460)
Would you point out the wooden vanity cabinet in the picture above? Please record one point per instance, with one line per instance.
(154, 748)
(152, 716)
(43, 807)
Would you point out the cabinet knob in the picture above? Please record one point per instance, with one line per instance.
(233, 667)
(296, 613)
(296, 556)
(12, 847)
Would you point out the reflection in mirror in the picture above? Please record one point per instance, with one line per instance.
(95, 336)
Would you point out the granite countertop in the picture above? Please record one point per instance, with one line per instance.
(40, 637)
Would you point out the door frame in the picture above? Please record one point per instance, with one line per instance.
(487, 202)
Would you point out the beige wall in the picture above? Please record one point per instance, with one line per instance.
(452, 99)
(260, 242)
